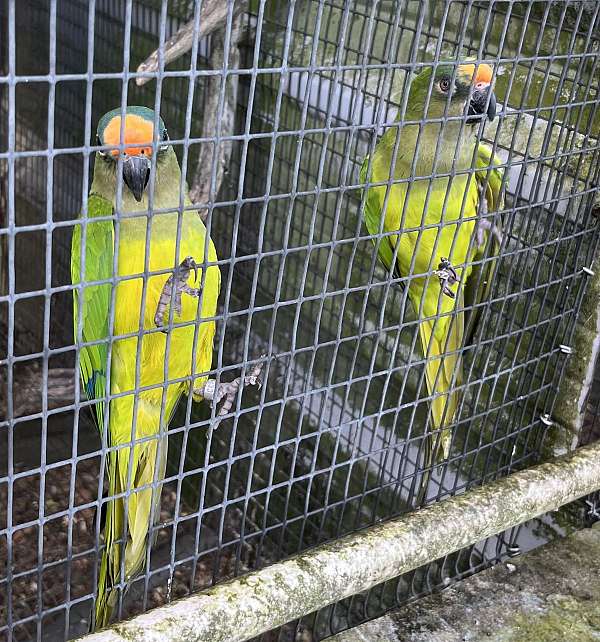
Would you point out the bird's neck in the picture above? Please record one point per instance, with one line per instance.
(167, 197)
(166, 192)
(438, 149)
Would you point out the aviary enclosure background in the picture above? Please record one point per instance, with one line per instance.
(331, 443)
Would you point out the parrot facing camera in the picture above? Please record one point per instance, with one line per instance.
(136, 173)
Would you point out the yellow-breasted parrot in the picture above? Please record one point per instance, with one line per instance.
(133, 413)
(438, 226)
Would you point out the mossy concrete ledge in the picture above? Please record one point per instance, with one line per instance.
(247, 606)
(551, 594)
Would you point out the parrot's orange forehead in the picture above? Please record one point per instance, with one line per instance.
(138, 131)
(479, 73)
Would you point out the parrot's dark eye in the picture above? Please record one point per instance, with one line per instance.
(165, 138)
(444, 84)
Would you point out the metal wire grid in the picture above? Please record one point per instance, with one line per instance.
(591, 425)
(331, 443)
(362, 607)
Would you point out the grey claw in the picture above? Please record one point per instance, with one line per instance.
(448, 292)
(226, 391)
(483, 223)
(483, 226)
(480, 237)
(446, 265)
(190, 263)
(447, 276)
(178, 282)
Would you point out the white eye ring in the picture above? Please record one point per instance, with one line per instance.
(99, 142)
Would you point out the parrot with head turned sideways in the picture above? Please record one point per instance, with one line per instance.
(143, 387)
(433, 231)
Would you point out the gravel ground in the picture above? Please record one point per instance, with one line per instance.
(42, 584)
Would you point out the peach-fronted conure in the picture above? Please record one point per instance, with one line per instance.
(435, 230)
(124, 333)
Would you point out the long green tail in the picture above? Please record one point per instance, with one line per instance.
(140, 511)
(443, 372)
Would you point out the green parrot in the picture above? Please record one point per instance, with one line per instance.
(146, 413)
(445, 221)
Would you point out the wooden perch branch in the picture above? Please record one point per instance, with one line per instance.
(212, 15)
(27, 389)
(205, 186)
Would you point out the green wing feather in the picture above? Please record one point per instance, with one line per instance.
(478, 286)
(94, 300)
(443, 370)
(373, 223)
(488, 165)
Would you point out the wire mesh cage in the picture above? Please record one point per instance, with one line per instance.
(271, 116)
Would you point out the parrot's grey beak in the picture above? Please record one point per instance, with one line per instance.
(136, 172)
(482, 102)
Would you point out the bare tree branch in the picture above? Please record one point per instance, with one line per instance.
(213, 14)
(205, 186)
(27, 389)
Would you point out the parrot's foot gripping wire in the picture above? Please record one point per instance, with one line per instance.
(447, 276)
(177, 280)
(228, 390)
(484, 225)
